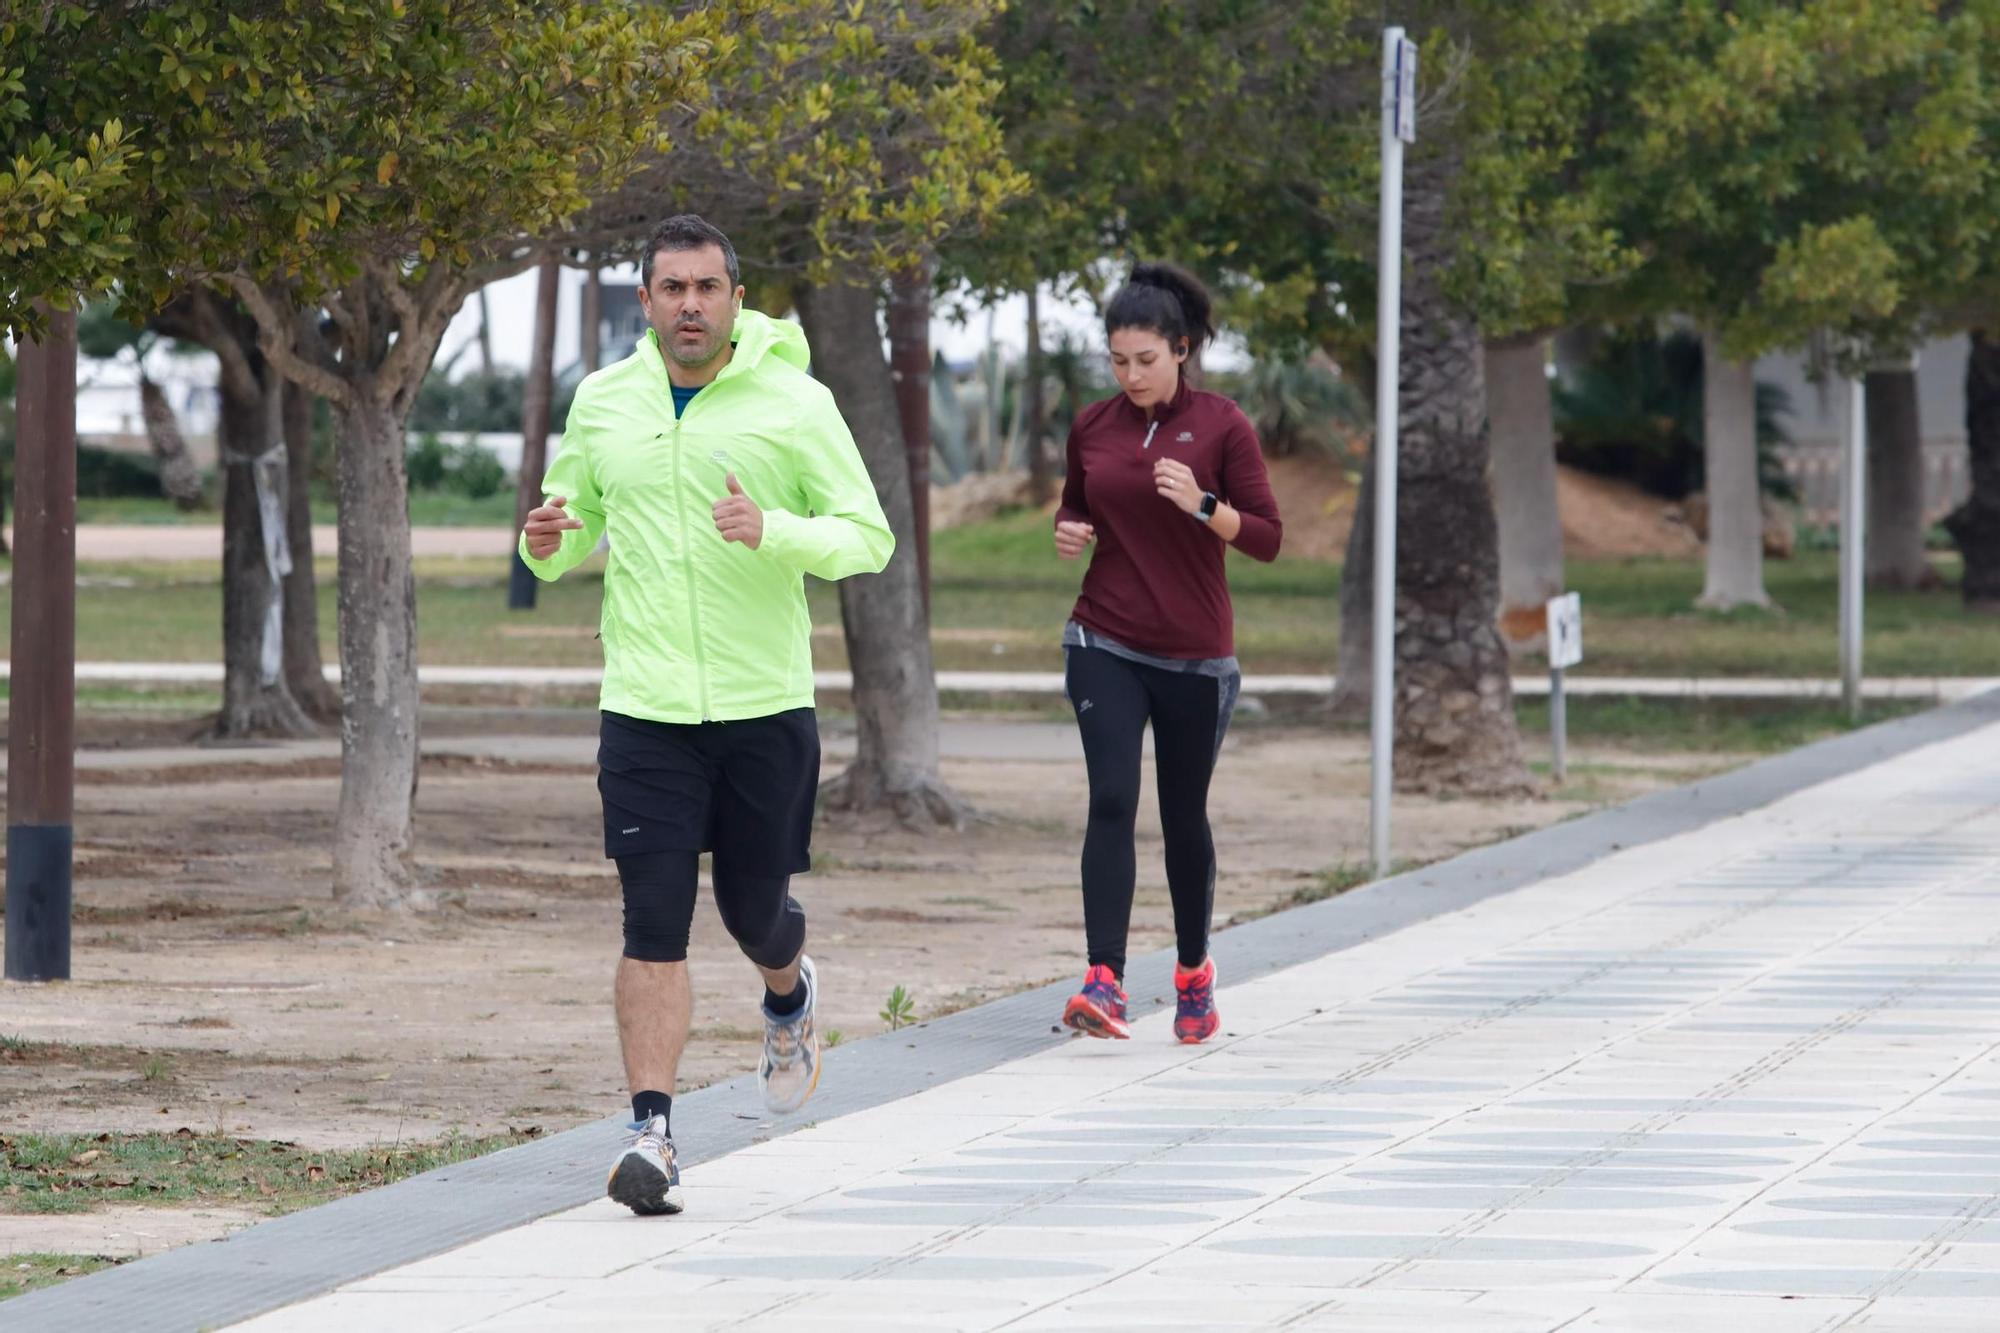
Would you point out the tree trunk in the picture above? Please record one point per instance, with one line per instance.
(910, 374)
(1454, 699)
(1735, 501)
(1896, 526)
(535, 397)
(590, 320)
(305, 670)
(485, 334)
(1039, 487)
(1975, 525)
(888, 632)
(1524, 488)
(378, 662)
(180, 481)
(1354, 662)
(256, 698)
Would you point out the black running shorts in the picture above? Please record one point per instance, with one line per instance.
(743, 790)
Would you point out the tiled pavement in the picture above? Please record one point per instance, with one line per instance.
(1740, 1078)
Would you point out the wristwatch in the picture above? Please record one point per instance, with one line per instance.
(1207, 509)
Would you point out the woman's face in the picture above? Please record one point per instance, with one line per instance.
(1147, 366)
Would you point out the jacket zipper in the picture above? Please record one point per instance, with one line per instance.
(1147, 445)
(687, 570)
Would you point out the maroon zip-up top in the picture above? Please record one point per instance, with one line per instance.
(1156, 581)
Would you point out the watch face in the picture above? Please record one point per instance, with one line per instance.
(1208, 504)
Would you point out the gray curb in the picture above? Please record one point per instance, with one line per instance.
(292, 1258)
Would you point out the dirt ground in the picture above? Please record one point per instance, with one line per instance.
(1602, 519)
(217, 987)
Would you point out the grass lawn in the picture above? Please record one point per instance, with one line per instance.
(428, 509)
(999, 598)
(69, 1173)
(23, 1273)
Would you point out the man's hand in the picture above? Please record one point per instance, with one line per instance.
(546, 526)
(738, 518)
(1071, 538)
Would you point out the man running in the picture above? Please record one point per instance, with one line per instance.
(722, 473)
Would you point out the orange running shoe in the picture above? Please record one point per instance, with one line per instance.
(1098, 1010)
(1194, 1008)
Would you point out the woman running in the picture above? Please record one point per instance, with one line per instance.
(1160, 479)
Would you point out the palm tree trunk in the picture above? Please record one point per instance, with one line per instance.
(1454, 698)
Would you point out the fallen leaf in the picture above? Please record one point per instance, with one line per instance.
(86, 1158)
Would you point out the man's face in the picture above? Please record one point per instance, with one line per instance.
(690, 304)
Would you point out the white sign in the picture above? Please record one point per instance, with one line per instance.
(1406, 90)
(1565, 631)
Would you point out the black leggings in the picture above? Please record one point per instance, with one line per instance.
(1114, 697)
(758, 910)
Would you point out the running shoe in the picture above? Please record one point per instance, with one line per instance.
(1098, 1010)
(646, 1177)
(1194, 1003)
(789, 1071)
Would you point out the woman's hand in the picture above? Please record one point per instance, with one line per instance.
(1071, 538)
(1175, 482)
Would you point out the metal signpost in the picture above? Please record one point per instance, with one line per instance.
(1565, 651)
(1399, 126)
(1853, 542)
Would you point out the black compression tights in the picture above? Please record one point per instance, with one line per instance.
(758, 910)
(1114, 698)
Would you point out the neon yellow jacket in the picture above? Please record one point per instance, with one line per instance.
(697, 629)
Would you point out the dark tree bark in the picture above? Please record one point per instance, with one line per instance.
(535, 396)
(256, 696)
(378, 661)
(1454, 701)
(1040, 485)
(590, 320)
(257, 699)
(180, 481)
(1896, 526)
(910, 374)
(888, 632)
(1524, 488)
(305, 669)
(1975, 525)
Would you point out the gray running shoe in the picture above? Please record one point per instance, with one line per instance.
(789, 1071)
(646, 1177)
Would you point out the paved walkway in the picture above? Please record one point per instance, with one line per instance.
(1744, 1078)
(1939, 689)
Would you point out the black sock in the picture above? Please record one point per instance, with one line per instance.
(784, 1006)
(646, 1105)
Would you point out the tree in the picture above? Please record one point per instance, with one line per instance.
(1790, 171)
(844, 142)
(374, 161)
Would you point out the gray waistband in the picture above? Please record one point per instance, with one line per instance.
(1076, 636)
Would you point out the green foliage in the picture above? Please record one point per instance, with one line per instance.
(302, 145)
(1787, 168)
(112, 474)
(463, 469)
(899, 1010)
(838, 136)
(1634, 411)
